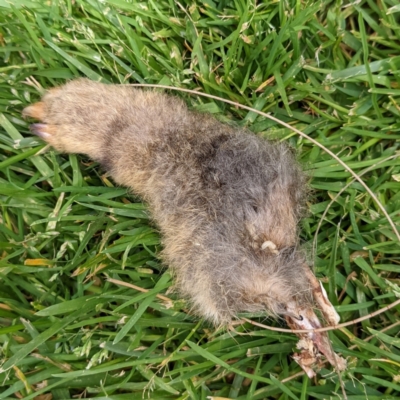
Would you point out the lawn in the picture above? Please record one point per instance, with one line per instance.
(85, 310)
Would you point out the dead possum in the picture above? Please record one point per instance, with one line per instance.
(227, 203)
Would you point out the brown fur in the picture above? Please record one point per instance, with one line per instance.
(227, 203)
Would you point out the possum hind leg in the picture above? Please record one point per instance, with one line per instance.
(77, 117)
(114, 125)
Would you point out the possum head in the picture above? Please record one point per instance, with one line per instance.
(239, 245)
(241, 279)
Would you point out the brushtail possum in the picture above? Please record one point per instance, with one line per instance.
(227, 203)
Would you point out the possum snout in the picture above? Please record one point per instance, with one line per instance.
(274, 282)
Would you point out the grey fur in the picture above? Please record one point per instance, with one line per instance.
(227, 202)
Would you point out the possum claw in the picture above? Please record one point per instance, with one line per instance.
(39, 130)
(36, 110)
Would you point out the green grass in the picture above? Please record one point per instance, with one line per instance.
(330, 70)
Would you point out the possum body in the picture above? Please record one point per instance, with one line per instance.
(227, 203)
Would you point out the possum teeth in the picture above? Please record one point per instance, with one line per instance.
(321, 298)
(40, 130)
(334, 317)
(312, 344)
(269, 245)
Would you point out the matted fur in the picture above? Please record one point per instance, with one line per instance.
(227, 202)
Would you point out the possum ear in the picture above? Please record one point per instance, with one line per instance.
(264, 223)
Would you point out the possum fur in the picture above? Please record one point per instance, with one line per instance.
(227, 203)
